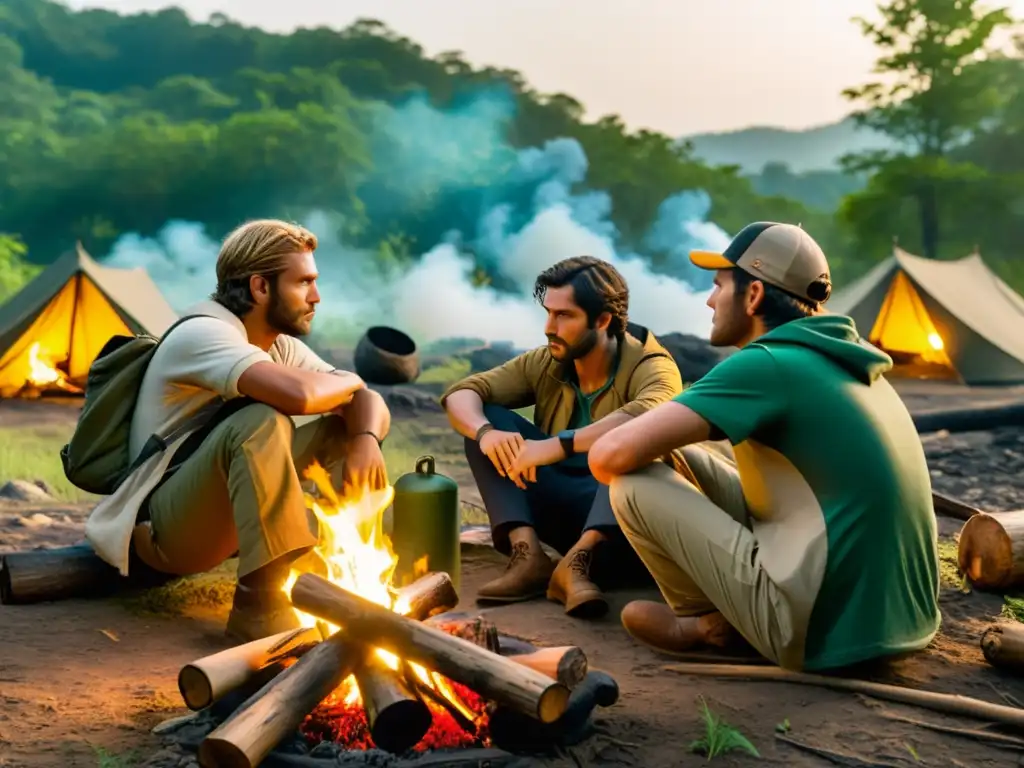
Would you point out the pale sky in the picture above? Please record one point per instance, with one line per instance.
(677, 66)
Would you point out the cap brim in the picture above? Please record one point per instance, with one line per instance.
(710, 260)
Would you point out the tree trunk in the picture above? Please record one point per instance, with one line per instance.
(488, 674)
(278, 708)
(991, 550)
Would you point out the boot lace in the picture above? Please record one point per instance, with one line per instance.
(580, 562)
(520, 551)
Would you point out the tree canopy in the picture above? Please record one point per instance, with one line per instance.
(120, 123)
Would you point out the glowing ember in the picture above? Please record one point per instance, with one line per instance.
(345, 723)
(357, 556)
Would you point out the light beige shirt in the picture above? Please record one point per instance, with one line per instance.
(193, 371)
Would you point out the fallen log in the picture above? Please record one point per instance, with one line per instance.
(1003, 646)
(972, 419)
(429, 595)
(397, 717)
(991, 550)
(937, 702)
(206, 680)
(488, 674)
(252, 731)
(63, 573)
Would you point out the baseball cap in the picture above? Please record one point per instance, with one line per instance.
(783, 255)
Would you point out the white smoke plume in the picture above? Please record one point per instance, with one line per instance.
(530, 219)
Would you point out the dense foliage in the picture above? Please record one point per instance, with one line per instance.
(114, 124)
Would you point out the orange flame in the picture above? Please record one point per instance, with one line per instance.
(358, 557)
(41, 371)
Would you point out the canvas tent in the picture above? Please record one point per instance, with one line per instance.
(52, 330)
(940, 319)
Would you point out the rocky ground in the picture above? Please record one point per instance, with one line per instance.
(83, 682)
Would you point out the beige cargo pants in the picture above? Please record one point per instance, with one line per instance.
(240, 491)
(702, 553)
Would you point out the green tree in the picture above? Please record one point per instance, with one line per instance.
(934, 92)
(14, 270)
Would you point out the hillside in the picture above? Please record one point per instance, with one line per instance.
(813, 149)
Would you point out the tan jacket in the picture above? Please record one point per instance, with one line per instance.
(647, 376)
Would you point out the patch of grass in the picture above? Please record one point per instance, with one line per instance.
(210, 590)
(1013, 607)
(106, 759)
(949, 568)
(719, 736)
(34, 454)
(447, 373)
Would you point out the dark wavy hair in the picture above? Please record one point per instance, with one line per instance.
(597, 287)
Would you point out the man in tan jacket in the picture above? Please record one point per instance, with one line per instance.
(250, 406)
(593, 375)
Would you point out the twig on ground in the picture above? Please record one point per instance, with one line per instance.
(938, 702)
(995, 739)
(839, 758)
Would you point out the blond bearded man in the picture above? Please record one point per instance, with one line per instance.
(249, 406)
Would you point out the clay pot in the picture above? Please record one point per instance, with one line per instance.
(386, 356)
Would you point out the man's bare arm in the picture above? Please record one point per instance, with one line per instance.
(297, 392)
(366, 413)
(465, 410)
(644, 439)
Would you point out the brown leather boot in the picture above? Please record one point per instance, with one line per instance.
(525, 577)
(571, 585)
(655, 625)
(258, 613)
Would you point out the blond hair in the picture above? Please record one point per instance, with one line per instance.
(260, 247)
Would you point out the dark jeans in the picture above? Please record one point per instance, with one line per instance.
(565, 501)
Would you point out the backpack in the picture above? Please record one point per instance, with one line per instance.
(97, 458)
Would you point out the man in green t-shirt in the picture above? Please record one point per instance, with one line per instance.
(817, 543)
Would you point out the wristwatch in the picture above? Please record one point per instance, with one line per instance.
(566, 438)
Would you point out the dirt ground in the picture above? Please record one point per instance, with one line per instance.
(82, 682)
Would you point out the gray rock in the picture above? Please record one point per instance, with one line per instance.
(25, 490)
(694, 356)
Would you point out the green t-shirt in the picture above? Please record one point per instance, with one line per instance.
(837, 484)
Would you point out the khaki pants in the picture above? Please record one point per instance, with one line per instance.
(702, 553)
(240, 491)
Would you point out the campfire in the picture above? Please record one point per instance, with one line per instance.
(44, 373)
(380, 667)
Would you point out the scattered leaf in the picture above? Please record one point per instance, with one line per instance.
(111, 635)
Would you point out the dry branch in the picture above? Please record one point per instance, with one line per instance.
(938, 702)
(490, 675)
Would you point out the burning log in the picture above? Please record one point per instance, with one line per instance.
(566, 664)
(397, 717)
(206, 680)
(490, 675)
(991, 549)
(1003, 646)
(245, 738)
(427, 596)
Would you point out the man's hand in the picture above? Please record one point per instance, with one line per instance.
(501, 448)
(535, 453)
(364, 468)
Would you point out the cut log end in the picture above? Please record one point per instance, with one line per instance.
(1003, 646)
(552, 704)
(991, 550)
(401, 726)
(195, 688)
(220, 753)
